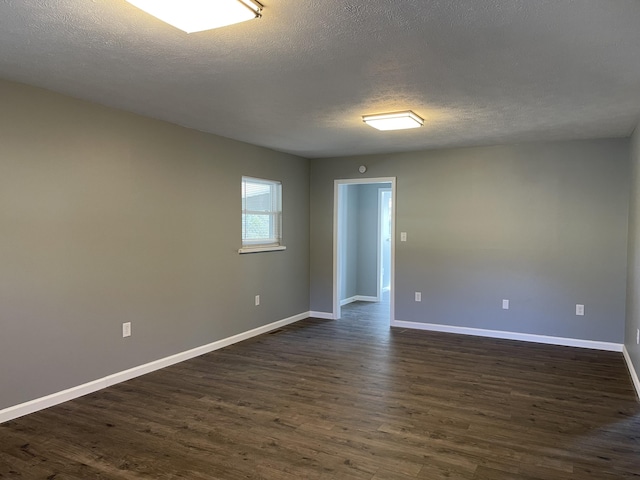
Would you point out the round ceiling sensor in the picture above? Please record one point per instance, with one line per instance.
(362, 168)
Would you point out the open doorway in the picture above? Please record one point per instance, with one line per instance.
(363, 254)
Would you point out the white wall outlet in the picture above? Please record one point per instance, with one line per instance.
(257, 300)
(126, 329)
(505, 304)
(403, 236)
(418, 296)
(638, 336)
(579, 309)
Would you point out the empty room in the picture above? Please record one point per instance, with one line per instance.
(342, 239)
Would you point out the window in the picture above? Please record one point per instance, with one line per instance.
(261, 215)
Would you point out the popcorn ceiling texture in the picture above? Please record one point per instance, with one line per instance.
(480, 71)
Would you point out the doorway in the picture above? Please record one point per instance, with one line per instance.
(364, 243)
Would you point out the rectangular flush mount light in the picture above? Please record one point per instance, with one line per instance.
(198, 15)
(393, 121)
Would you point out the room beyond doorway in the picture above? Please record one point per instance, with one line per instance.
(363, 254)
(374, 314)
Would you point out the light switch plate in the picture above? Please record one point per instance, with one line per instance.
(579, 309)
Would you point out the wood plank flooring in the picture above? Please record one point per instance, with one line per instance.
(348, 399)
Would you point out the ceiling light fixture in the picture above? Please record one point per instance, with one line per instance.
(393, 121)
(198, 15)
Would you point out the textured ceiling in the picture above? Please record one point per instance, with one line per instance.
(479, 71)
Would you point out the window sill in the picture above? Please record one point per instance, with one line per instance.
(273, 248)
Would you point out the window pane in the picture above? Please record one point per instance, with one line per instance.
(259, 203)
(255, 226)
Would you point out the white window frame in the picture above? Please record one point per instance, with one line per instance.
(274, 242)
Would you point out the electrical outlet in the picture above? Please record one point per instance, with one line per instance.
(418, 296)
(257, 300)
(126, 329)
(579, 309)
(505, 304)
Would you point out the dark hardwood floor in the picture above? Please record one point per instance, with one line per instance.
(348, 399)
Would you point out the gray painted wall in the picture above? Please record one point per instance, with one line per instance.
(109, 217)
(633, 283)
(544, 225)
(349, 238)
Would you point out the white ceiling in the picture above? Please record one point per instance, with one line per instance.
(298, 80)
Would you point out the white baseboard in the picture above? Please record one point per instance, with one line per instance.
(322, 315)
(366, 298)
(358, 298)
(32, 406)
(525, 337)
(347, 301)
(632, 371)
